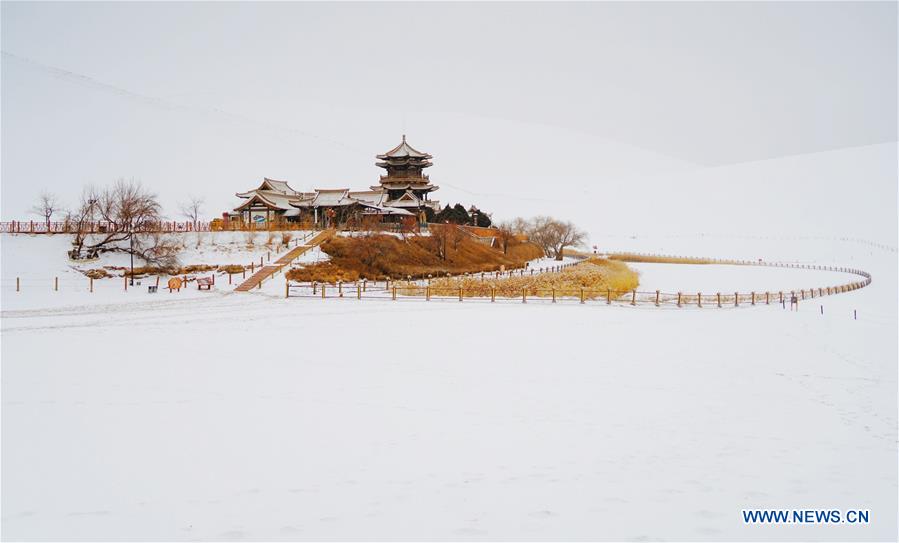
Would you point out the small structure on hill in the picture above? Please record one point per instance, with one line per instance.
(401, 195)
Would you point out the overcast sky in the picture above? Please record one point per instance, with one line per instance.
(518, 102)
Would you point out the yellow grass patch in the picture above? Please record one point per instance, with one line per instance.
(596, 276)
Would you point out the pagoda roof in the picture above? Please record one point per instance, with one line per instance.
(268, 198)
(404, 150)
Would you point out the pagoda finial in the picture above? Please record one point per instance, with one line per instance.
(404, 138)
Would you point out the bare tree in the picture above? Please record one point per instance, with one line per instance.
(509, 230)
(192, 209)
(553, 236)
(127, 213)
(47, 204)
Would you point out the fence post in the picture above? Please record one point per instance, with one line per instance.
(394, 293)
(91, 283)
(340, 289)
(358, 291)
(753, 297)
(634, 297)
(364, 284)
(323, 290)
(719, 299)
(56, 283)
(460, 293)
(699, 299)
(428, 292)
(125, 277)
(767, 299)
(554, 294)
(736, 299)
(492, 294)
(524, 295)
(608, 296)
(17, 284)
(657, 298)
(582, 294)
(286, 288)
(678, 299)
(781, 297)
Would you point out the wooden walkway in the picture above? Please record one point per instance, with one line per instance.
(255, 280)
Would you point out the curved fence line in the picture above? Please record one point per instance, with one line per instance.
(364, 289)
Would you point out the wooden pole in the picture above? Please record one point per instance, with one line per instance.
(719, 299)
(358, 291)
(91, 283)
(126, 282)
(634, 297)
(753, 297)
(736, 299)
(767, 298)
(678, 299)
(524, 295)
(492, 294)
(286, 289)
(340, 289)
(17, 284)
(460, 293)
(394, 293)
(699, 299)
(428, 293)
(554, 294)
(657, 298)
(325, 285)
(56, 283)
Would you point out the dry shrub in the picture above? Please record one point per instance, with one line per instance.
(381, 255)
(157, 270)
(286, 237)
(596, 276)
(523, 250)
(322, 272)
(96, 273)
(231, 268)
(270, 238)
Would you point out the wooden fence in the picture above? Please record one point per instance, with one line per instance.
(101, 227)
(424, 290)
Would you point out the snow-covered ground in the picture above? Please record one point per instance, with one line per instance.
(247, 416)
(40, 262)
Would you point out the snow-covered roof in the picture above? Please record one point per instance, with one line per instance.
(331, 197)
(404, 150)
(269, 198)
(279, 186)
(408, 199)
(368, 196)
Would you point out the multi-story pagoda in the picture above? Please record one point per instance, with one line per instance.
(406, 185)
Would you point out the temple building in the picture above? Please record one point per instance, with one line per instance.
(406, 184)
(401, 195)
